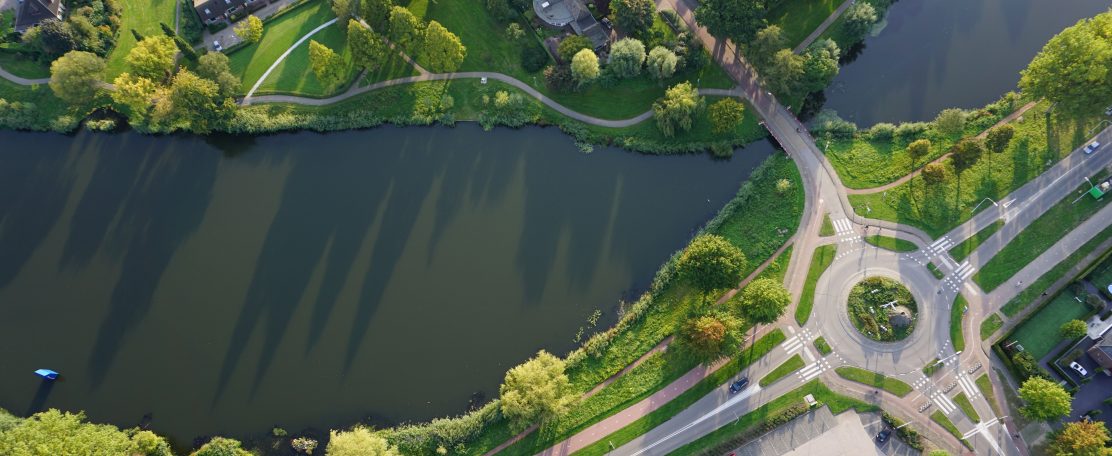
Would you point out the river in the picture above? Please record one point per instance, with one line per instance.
(308, 280)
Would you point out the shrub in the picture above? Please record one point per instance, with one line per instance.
(559, 78)
(828, 122)
(444, 432)
(533, 58)
(17, 115)
(101, 125)
(909, 130)
(882, 131)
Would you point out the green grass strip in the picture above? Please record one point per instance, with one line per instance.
(985, 385)
(820, 260)
(762, 347)
(960, 251)
(941, 419)
(791, 365)
(963, 401)
(991, 325)
(935, 271)
(1032, 292)
(827, 226)
(822, 346)
(891, 243)
(874, 379)
(957, 311)
(932, 367)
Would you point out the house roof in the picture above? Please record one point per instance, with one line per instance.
(33, 12)
(214, 9)
(1102, 352)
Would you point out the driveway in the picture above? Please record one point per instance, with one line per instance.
(8, 4)
(227, 37)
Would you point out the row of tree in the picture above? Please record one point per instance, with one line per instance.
(89, 25)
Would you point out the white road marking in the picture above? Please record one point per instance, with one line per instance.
(944, 403)
(729, 402)
(967, 386)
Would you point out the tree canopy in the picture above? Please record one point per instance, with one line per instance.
(820, 65)
(61, 433)
(136, 93)
(626, 57)
(537, 390)
(998, 137)
(405, 28)
(75, 77)
(784, 73)
(725, 115)
(250, 29)
(661, 63)
(194, 103)
(711, 263)
(859, 19)
(359, 441)
(221, 446)
(934, 173)
(966, 153)
(377, 14)
(572, 45)
(1074, 69)
(327, 65)
(678, 108)
(711, 337)
(442, 50)
(919, 148)
(737, 20)
(1073, 329)
(1080, 438)
(634, 16)
(215, 67)
(764, 300)
(950, 122)
(153, 57)
(1045, 399)
(368, 50)
(765, 45)
(584, 67)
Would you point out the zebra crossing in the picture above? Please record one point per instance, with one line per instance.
(967, 386)
(959, 276)
(813, 370)
(801, 343)
(937, 249)
(934, 396)
(845, 232)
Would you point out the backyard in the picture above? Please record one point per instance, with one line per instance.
(144, 17)
(1039, 334)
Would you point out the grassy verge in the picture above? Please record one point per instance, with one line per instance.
(1039, 334)
(294, 75)
(778, 267)
(737, 432)
(1033, 291)
(791, 365)
(874, 379)
(891, 243)
(820, 260)
(937, 273)
(823, 347)
(948, 425)
(957, 312)
(142, 16)
(799, 18)
(22, 66)
(932, 367)
(827, 226)
(967, 407)
(985, 385)
(685, 399)
(251, 61)
(991, 325)
(960, 251)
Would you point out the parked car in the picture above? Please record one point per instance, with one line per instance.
(739, 385)
(882, 436)
(1092, 147)
(1077, 367)
(609, 26)
(1108, 112)
(217, 47)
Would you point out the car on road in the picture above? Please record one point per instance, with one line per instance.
(217, 47)
(739, 385)
(1092, 147)
(882, 436)
(1080, 370)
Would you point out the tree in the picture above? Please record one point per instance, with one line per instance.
(966, 153)
(737, 20)
(784, 73)
(60, 433)
(725, 115)
(950, 122)
(221, 446)
(572, 45)
(766, 44)
(626, 57)
(1080, 438)
(820, 65)
(442, 50)
(136, 93)
(677, 109)
(764, 301)
(194, 104)
(153, 58)
(1074, 69)
(343, 9)
(405, 28)
(859, 19)
(1073, 329)
(359, 441)
(934, 173)
(711, 337)
(148, 443)
(214, 66)
(186, 50)
(377, 14)
(537, 390)
(998, 137)
(661, 63)
(918, 149)
(584, 67)
(514, 31)
(1045, 399)
(367, 48)
(250, 29)
(634, 16)
(75, 77)
(52, 38)
(711, 263)
(326, 64)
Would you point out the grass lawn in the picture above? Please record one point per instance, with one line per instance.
(827, 226)
(143, 16)
(1102, 274)
(932, 367)
(967, 407)
(251, 61)
(820, 260)
(1035, 239)
(985, 385)
(776, 269)
(1033, 291)
(823, 347)
(791, 365)
(957, 312)
(938, 208)
(798, 18)
(874, 379)
(1039, 334)
(948, 425)
(23, 67)
(294, 75)
(960, 251)
(48, 107)
(891, 243)
(991, 325)
(937, 273)
(840, 35)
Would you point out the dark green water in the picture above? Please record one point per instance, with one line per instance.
(315, 280)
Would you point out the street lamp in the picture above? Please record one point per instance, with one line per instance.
(982, 202)
(1098, 126)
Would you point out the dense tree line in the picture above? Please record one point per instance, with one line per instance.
(89, 25)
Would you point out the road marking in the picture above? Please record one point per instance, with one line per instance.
(842, 226)
(967, 386)
(944, 403)
(793, 344)
(729, 402)
(810, 356)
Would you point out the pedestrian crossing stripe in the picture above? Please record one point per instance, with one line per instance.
(944, 403)
(842, 226)
(967, 386)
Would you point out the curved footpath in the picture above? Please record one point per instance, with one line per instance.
(21, 81)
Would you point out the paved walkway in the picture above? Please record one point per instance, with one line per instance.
(286, 54)
(21, 81)
(823, 26)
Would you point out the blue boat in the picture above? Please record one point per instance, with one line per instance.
(46, 374)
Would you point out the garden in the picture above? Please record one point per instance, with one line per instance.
(882, 309)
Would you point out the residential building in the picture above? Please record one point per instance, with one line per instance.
(30, 13)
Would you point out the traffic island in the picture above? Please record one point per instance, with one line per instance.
(882, 309)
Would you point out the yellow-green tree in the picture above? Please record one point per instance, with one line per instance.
(1045, 399)
(221, 446)
(136, 93)
(250, 29)
(764, 300)
(405, 28)
(153, 57)
(537, 390)
(367, 48)
(359, 441)
(1074, 69)
(75, 77)
(1080, 438)
(584, 67)
(441, 50)
(327, 65)
(725, 115)
(677, 109)
(711, 336)
(59, 433)
(711, 263)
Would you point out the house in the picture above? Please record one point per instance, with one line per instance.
(560, 13)
(213, 11)
(30, 13)
(1101, 352)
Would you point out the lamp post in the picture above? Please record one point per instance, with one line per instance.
(1098, 126)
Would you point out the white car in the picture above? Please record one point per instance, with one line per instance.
(1079, 369)
(217, 47)
(1092, 147)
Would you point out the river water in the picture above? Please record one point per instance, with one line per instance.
(935, 54)
(225, 286)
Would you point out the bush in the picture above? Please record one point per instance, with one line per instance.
(191, 27)
(533, 58)
(1027, 366)
(444, 432)
(217, 26)
(101, 125)
(911, 130)
(882, 131)
(511, 110)
(828, 122)
(559, 78)
(769, 423)
(17, 115)
(905, 433)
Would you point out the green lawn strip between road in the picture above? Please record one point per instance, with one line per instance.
(791, 365)
(991, 325)
(932, 367)
(957, 312)
(823, 347)
(1040, 333)
(820, 260)
(874, 379)
(1033, 291)
(799, 18)
(747, 426)
(667, 411)
(1036, 238)
(937, 273)
(827, 226)
(967, 407)
(962, 250)
(948, 425)
(891, 243)
(985, 385)
(778, 267)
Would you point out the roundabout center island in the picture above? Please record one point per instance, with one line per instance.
(882, 309)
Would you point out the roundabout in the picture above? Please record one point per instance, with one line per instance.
(882, 309)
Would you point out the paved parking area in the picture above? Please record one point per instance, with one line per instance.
(894, 446)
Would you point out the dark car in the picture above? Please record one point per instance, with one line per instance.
(739, 385)
(607, 24)
(882, 436)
